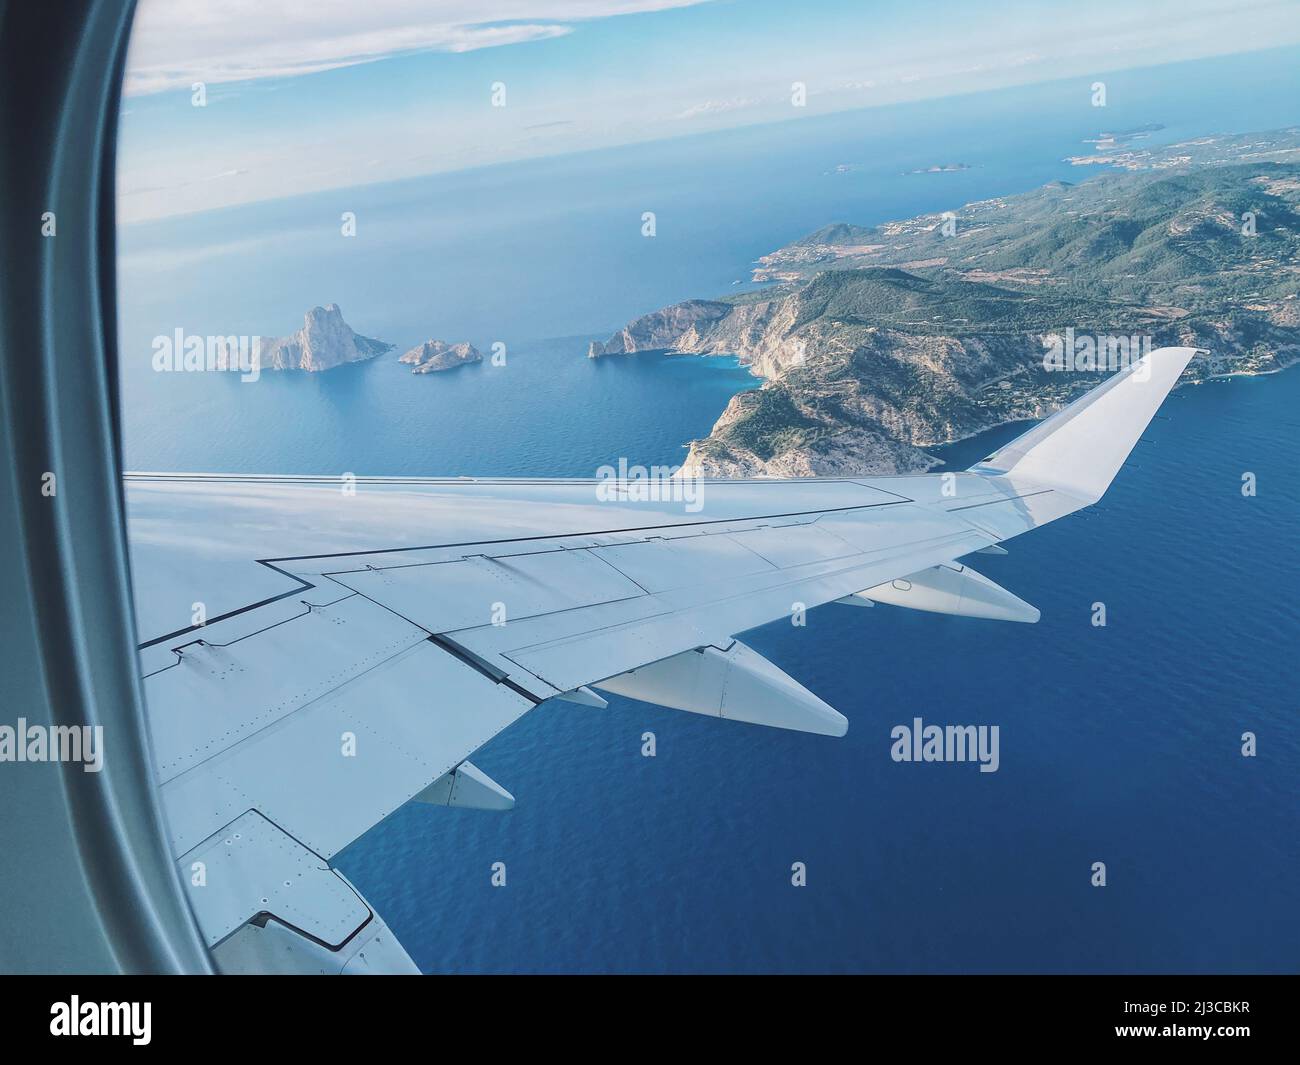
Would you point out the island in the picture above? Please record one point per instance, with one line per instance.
(1125, 136)
(324, 342)
(878, 343)
(434, 356)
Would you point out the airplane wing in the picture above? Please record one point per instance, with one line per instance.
(318, 651)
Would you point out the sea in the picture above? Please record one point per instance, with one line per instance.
(1120, 744)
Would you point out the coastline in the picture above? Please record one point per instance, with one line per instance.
(883, 343)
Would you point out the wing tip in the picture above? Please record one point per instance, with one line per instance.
(1079, 449)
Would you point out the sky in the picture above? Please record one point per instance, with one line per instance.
(303, 95)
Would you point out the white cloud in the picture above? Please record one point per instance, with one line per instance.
(718, 107)
(175, 43)
(710, 73)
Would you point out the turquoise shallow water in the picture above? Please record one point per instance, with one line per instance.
(1117, 744)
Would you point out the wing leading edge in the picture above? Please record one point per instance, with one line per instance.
(297, 697)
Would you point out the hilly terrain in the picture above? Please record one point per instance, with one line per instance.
(876, 343)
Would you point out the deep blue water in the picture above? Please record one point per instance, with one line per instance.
(1118, 744)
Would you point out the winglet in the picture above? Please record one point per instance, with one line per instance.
(1079, 449)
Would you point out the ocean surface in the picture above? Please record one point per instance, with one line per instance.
(1118, 744)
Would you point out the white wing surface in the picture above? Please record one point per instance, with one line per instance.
(318, 651)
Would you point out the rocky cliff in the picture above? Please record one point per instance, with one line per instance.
(886, 341)
(677, 327)
(324, 342)
(436, 355)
